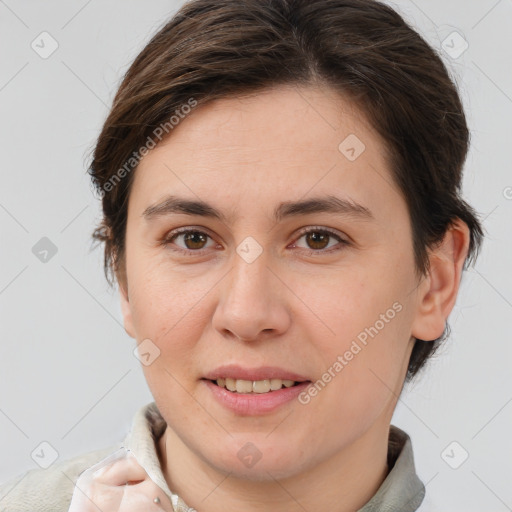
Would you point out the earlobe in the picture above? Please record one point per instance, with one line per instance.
(438, 295)
(126, 310)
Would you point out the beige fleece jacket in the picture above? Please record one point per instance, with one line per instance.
(51, 489)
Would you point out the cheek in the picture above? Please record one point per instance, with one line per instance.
(166, 300)
(364, 355)
(347, 304)
(167, 311)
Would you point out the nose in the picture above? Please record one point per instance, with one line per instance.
(253, 302)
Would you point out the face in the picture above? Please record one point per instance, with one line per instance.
(299, 268)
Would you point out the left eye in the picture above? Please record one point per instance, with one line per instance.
(319, 239)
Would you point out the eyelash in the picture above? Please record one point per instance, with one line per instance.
(168, 240)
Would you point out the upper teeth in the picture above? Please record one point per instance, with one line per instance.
(254, 386)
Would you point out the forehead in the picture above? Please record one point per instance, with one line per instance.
(276, 118)
(284, 141)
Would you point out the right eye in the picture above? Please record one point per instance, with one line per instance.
(193, 240)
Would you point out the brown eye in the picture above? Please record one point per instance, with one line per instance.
(191, 240)
(317, 239)
(194, 239)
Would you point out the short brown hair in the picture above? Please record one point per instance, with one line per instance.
(215, 49)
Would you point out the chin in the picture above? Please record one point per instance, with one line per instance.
(258, 462)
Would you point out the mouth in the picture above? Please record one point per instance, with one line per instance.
(254, 391)
(243, 386)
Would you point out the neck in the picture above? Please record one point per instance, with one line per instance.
(343, 483)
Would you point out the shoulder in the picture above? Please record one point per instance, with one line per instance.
(427, 505)
(51, 489)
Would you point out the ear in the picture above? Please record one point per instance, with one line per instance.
(438, 292)
(126, 310)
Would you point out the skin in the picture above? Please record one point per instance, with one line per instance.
(287, 308)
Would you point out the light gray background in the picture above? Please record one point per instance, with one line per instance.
(67, 372)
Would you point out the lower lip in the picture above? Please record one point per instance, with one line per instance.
(249, 404)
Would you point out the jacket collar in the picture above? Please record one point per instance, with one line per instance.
(401, 491)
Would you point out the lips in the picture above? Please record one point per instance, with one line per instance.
(253, 403)
(236, 372)
(254, 390)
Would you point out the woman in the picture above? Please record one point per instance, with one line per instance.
(280, 185)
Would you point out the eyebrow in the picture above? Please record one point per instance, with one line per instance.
(328, 204)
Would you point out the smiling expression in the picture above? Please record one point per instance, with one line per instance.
(258, 250)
